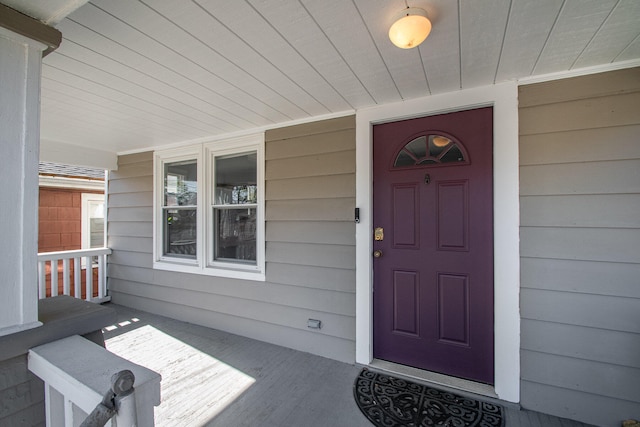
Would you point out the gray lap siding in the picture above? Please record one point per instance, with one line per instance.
(310, 247)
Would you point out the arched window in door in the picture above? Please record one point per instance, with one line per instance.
(430, 149)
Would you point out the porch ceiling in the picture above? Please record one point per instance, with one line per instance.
(136, 74)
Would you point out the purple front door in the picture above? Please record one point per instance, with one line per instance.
(433, 243)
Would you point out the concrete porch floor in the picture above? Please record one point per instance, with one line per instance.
(212, 378)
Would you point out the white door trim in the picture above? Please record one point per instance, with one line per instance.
(504, 99)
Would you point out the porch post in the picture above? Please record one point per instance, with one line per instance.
(20, 65)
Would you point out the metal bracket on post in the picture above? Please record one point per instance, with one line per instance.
(125, 400)
(119, 399)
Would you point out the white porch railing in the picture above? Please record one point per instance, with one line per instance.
(77, 373)
(74, 266)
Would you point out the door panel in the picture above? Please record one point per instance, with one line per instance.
(406, 224)
(433, 283)
(453, 308)
(405, 302)
(453, 215)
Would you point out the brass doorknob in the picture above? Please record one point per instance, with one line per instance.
(377, 253)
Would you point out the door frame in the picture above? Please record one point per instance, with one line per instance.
(504, 100)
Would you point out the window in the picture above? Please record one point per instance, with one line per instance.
(209, 208)
(179, 209)
(92, 221)
(234, 208)
(430, 149)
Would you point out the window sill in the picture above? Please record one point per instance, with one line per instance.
(255, 275)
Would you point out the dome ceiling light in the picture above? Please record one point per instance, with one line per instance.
(410, 28)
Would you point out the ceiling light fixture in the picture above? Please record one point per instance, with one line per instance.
(410, 28)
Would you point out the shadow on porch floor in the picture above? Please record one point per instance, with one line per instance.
(212, 378)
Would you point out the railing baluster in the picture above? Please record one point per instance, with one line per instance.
(42, 280)
(77, 278)
(68, 413)
(102, 275)
(54, 402)
(54, 278)
(89, 277)
(66, 288)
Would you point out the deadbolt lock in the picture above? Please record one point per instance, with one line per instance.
(378, 234)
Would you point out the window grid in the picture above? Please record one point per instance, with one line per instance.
(432, 150)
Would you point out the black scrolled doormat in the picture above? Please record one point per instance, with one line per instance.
(389, 402)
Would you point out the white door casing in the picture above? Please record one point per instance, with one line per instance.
(504, 99)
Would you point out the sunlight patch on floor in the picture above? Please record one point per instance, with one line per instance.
(198, 385)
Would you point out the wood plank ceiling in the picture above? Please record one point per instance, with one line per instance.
(136, 74)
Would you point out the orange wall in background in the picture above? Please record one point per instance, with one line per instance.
(60, 221)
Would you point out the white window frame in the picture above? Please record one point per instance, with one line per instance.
(86, 220)
(204, 154)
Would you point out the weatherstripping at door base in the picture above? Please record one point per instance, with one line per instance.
(435, 378)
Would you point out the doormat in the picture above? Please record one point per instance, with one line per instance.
(389, 402)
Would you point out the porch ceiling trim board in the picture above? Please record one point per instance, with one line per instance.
(504, 99)
(71, 154)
